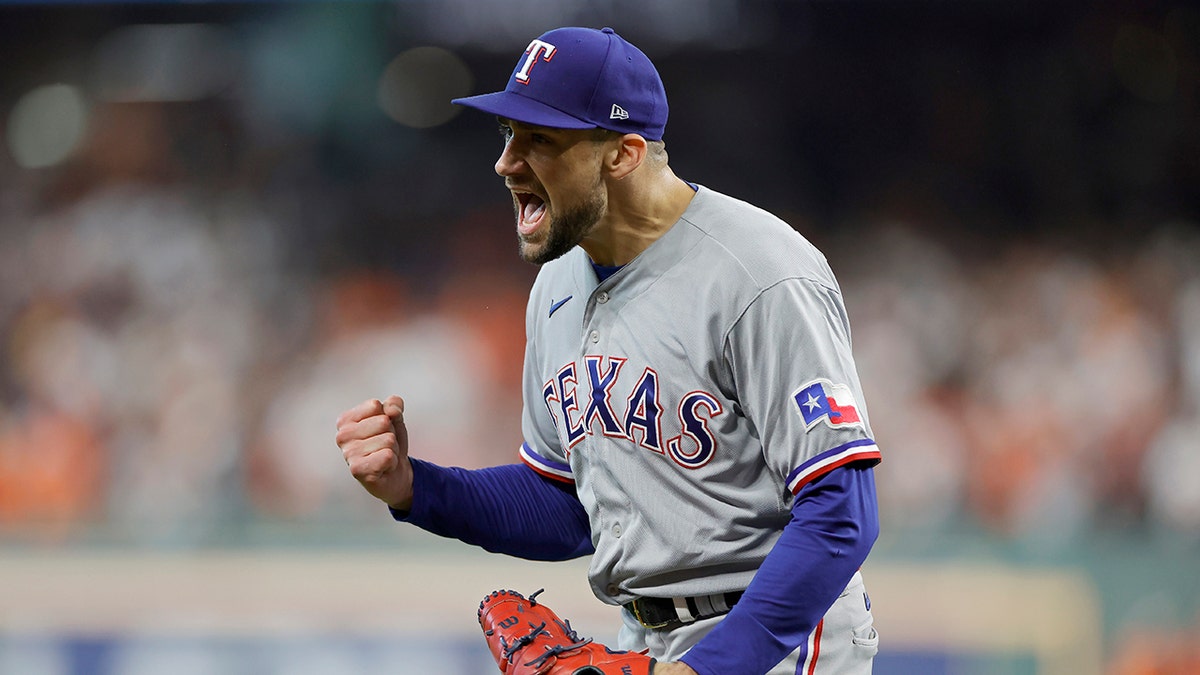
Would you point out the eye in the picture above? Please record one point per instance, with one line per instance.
(506, 132)
(540, 139)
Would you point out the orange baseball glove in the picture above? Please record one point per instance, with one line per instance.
(528, 638)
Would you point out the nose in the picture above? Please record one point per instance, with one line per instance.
(510, 161)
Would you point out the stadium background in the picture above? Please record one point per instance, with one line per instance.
(223, 223)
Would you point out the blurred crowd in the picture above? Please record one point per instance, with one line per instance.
(1048, 387)
(168, 375)
(169, 370)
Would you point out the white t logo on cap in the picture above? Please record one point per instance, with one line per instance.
(536, 49)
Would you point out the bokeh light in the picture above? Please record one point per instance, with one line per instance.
(46, 125)
(417, 86)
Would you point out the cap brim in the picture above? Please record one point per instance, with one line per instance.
(521, 109)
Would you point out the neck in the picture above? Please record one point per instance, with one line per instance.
(640, 210)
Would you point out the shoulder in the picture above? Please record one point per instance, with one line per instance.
(744, 239)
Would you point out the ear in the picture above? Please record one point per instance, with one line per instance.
(626, 154)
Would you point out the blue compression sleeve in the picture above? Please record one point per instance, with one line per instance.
(834, 523)
(504, 509)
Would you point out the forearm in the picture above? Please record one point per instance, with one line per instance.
(834, 524)
(506, 509)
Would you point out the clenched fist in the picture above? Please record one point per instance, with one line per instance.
(374, 442)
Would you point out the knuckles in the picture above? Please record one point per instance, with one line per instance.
(376, 425)
(367, 436)
(372, 469)
(367, 408)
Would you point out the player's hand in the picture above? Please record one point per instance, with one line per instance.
(374, 443)
(672, 668)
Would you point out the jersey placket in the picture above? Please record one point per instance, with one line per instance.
(598, 358)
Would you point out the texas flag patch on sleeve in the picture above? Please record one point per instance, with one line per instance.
(825, 401)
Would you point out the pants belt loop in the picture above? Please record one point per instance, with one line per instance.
(682, 611)
(704, 605)
(655, 613)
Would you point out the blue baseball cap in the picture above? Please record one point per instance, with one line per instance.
(581, 78)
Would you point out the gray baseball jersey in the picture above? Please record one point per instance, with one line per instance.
(690, 395)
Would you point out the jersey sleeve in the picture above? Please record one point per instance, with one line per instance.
(477, 507)
(790, 354)
(542, 450)
(834, 523)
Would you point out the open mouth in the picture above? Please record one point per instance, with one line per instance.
(531, 210)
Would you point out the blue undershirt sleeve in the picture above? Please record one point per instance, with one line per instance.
(506, 509)
(834, 524)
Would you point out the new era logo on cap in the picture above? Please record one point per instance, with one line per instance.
(569, 78)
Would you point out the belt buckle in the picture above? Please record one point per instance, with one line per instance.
(637, 614)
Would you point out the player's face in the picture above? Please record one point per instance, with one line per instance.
(557, 189)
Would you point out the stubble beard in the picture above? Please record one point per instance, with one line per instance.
(566, 230)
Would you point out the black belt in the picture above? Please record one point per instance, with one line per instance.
(664, 612)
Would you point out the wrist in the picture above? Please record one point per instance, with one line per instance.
(401, 495)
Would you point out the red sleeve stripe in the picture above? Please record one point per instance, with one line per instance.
(546, 467)
(863, 450)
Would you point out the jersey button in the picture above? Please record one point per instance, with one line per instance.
(595, 336)
(602, 297)
(613, 590)
(616, 530)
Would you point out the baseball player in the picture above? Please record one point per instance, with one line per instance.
(692, 419)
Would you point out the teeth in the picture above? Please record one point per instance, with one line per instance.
(533, 208)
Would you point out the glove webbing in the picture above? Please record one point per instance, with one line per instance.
(576, 643)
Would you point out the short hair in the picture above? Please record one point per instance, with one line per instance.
(656, 151)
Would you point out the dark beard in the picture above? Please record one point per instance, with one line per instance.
(566, 231)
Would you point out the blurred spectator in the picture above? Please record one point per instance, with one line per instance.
(370, 341)
(50, 473)
(1157, 650)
